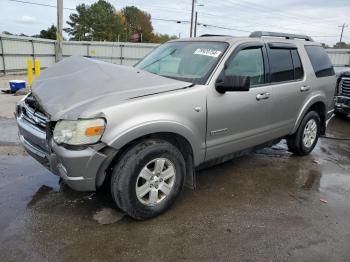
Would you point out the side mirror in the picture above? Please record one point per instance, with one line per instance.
(231, 83)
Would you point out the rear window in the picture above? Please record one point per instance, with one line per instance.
(281, 65)
(320, 61)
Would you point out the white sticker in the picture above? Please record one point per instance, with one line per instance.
(207, 52)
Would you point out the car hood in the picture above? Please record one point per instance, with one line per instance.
(345, 73)
(67, 88)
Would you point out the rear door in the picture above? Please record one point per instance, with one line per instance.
(324, 79)
(239, 120)
(289, 85)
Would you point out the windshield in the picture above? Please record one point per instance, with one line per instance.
(187, 61)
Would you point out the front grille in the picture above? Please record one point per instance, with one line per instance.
(344, 87)
(31, 112)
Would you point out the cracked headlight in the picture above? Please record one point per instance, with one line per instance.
(79, 132)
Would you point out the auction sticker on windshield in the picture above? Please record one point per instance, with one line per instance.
(207, 52)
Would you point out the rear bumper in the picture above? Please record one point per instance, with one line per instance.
(342, 104)
(78, 168)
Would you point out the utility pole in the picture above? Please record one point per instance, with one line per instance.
(342, 31)
(59, 36)
(192, 12)
(195, 24)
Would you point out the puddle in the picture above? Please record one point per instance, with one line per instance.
(107, 216)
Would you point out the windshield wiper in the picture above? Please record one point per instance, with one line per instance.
(161, 58)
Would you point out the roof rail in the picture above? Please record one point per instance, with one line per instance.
(206, 35)
(284, 35)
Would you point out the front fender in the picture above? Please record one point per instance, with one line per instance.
(120, 139)
(311, 101)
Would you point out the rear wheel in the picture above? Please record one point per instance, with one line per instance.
(303, 141)
(148, 178)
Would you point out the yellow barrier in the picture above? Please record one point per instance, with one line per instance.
(30, 71)
(37, 67)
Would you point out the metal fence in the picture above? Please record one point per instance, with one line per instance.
(339, 57)
(15, 50)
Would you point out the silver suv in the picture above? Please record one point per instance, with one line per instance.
(191, 103)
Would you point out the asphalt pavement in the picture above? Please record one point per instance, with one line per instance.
(266, 206)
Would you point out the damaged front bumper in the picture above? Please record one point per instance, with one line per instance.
(342, 104)
(83, 169)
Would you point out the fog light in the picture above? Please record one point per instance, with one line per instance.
(18, 110)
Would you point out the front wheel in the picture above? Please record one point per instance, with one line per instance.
(148, 178)
(303, 141)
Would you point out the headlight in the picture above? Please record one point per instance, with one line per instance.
(79, 132)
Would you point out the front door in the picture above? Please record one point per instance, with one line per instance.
(240, 119)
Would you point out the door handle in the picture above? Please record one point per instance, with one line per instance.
(304, 88)
(262, 96)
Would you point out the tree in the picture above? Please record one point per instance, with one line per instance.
(162, 38)
(105, 24)
(50, 33)
(80, 24)
(341, 45)
(101, 22)
(137, 21)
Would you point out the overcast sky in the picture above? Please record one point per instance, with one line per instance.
(318, 18)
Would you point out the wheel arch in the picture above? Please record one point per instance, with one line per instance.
(314, 104)
(179, 141)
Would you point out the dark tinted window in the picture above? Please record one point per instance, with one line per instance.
(320, 61)
(248, 62)
(298, 68)
(281, 65)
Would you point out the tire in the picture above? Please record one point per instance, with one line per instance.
(296, 143)
(128, 184)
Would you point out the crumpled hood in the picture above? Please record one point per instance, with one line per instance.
(78, 81)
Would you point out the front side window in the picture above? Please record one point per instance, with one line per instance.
(320, 61)
(281, 65)
(191, 61)
(248, 62)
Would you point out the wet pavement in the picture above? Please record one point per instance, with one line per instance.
(267, 206)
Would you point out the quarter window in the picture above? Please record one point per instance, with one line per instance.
(248, 62)
(320, 61)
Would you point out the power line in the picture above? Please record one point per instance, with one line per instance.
(39, 4)
(201, 24)
(153, 18)
(240, 5)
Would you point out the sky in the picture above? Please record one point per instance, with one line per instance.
(317, 18)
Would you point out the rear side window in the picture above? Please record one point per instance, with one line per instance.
(281, 65)
(320, 61)
(298, 68)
